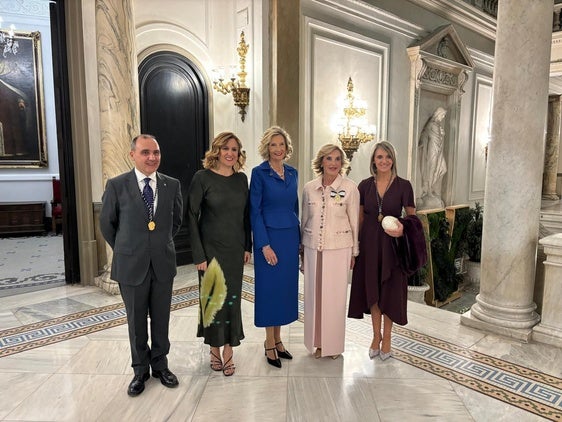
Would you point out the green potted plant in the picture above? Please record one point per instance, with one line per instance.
(474, 243)
(445, 278)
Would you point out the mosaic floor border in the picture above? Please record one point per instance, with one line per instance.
(525, 388)
(36, 280)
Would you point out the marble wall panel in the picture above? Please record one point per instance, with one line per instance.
(481, 135)
(333, 54)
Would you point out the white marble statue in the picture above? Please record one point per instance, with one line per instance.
(432, 163)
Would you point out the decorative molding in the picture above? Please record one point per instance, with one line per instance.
(477, 192)
(430, 65)
(156, 36)
(440, 76)
(483, 63)
(418, 68)
(556, 54)
(371, 15)
(462, 13)
(555, 85)
(445, 45)
(27, 8)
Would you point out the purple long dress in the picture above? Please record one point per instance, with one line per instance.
(377, 277)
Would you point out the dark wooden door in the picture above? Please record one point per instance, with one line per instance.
(174, 108)
(64, 142)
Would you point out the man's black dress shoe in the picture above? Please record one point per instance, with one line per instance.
(167, 378)
(137, 384)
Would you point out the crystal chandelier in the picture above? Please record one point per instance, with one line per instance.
(353, 128)
(236, 86)
(7, 42)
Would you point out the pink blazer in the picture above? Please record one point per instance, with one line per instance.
(330, 215)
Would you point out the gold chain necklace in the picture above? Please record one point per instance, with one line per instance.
(380, 199)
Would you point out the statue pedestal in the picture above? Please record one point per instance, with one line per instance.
(550, 328)
(105, 282)
(429, 202)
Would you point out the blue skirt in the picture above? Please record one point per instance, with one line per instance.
(277, 287)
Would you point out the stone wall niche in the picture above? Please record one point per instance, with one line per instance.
(439, 66)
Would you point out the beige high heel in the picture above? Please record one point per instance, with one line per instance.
(373, 353)
(385, 356)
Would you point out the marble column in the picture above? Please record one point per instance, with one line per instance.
(552, 148)
(550, 328)
(285, 45)
(118, 94)
(514, 171)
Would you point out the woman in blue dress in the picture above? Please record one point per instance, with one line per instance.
(274, 209)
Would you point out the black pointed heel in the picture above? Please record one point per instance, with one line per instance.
(283, 354)
(273, 362)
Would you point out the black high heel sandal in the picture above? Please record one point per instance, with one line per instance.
(273, 362)
(283, 354)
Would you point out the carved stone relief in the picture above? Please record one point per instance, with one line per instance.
(439, 70)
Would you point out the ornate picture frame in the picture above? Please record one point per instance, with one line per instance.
(23, 140)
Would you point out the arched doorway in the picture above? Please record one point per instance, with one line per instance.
(174, 108)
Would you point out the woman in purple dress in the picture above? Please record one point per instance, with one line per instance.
(379, 287)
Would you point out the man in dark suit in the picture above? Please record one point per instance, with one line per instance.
(140, 215)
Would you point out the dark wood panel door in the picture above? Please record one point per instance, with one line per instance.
(174, 108)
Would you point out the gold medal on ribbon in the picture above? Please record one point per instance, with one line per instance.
(151, 225)
(379, 218)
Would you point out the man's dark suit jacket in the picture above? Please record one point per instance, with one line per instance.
(123, 223)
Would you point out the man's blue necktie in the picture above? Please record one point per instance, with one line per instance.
(148, 197)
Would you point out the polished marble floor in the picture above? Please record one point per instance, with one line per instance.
(64, 355)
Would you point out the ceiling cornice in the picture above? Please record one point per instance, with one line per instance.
(358, 9)
(36, 8)
(463, 14)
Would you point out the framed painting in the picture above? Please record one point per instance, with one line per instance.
(23, 141)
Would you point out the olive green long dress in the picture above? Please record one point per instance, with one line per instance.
(219, 228)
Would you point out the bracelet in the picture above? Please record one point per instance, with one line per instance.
(266, 246)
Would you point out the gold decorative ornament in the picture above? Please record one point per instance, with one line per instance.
(236, 86)
(353, 127)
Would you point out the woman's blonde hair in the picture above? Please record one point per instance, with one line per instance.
(325, 150)
(212, 155)
(389, 149)
(263, 149)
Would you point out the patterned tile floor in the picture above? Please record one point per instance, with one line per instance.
(30, 263)
(515, 384)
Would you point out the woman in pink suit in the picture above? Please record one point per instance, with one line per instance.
(329, 232)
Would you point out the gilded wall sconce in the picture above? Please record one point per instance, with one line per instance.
(237, 81)
(353, 128)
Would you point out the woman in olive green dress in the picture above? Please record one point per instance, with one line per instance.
(219, 227)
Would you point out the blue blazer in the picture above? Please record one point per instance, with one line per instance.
(274, 202)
